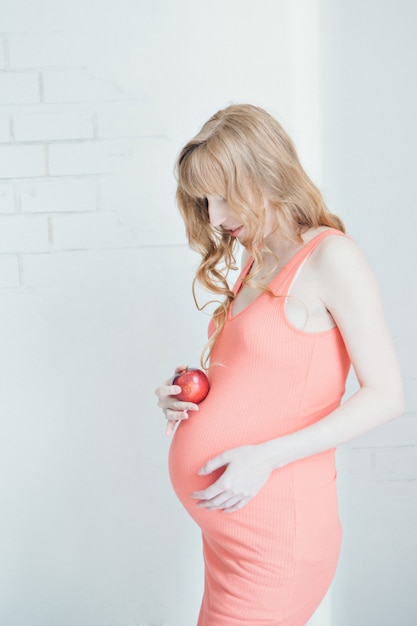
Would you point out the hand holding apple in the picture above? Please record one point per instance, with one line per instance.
(194, 386)
(177, 398)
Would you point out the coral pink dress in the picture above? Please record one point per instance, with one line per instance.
(271, 562)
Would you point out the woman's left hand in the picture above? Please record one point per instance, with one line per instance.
(246, 472)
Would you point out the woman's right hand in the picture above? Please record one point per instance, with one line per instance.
(174, 410)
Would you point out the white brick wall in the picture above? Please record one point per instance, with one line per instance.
(17, 18)
(7, 195)
(65, 194)
(77, 158)
(52, 126)
(24, 233)
(9, 270)
(19, 88)
(399, 463)
(2, 53)
(77, 86)
(63, 130)
(4, 128)
(43, 50)
(22, 161)
(91, 231)
(386, 454)
(127, 120)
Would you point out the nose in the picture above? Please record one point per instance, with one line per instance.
(217, 212)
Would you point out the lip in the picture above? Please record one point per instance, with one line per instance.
(235, 232)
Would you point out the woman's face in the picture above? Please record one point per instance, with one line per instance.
(221, 215)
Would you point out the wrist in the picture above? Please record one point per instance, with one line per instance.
(275, 453)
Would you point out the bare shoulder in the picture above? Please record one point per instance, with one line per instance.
(347, 282)
(340, 257)
(337, 246)
(335, 253)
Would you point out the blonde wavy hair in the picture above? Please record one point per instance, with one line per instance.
(244, 155)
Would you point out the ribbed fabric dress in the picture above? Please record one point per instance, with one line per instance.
(271, 562)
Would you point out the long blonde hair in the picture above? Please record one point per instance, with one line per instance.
(244, 155)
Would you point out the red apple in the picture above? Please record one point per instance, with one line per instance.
(194, 385)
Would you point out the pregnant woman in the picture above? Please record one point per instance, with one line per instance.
(254, 463)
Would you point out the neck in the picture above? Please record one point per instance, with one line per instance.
(278, 246)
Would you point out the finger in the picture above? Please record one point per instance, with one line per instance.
(213, 464)
(237, 506)
(231, 502)
(175, 416)
(169, 402)
(222, 501)
(177, 405)
(208, 494)
(167, 390)
(170, 427)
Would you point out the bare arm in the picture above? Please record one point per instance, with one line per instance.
(350, 293)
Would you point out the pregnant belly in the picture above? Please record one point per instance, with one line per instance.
(225, 421)
(209, 432)
(308, 484)
(194, 443)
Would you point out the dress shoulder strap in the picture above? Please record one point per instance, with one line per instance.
(311, 245)
(245, 270)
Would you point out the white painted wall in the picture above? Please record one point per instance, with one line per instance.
(96, 100)
(369, 65)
